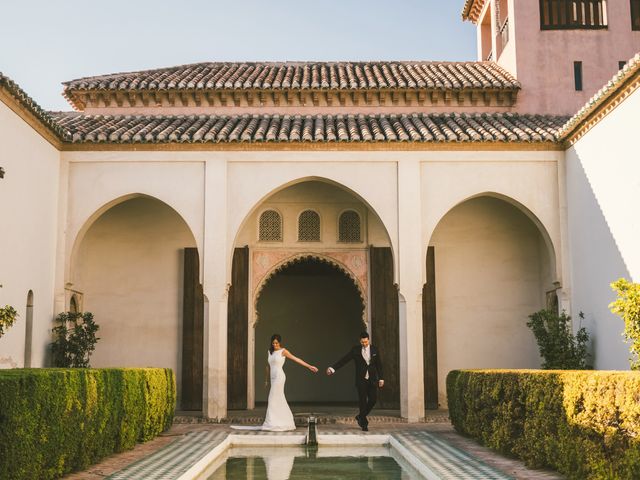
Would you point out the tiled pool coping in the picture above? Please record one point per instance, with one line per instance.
(188, 457)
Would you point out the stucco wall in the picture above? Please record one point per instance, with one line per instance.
(545, 57)
(329, 202)
(402, 196)
(603, 190)
(528, 179)
(28, 206)
(491, 269)
(129, 269)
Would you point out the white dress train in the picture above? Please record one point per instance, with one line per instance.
(279, 417)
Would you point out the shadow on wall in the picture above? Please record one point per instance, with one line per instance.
(596, 261)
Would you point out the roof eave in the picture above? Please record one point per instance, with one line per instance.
(625, 82)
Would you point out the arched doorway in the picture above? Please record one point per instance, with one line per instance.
(129, 267)
(73, 304)
(490, 267)
(311, 222)
(318, 311)
(28, 334)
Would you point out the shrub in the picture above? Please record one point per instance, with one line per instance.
(75, 340)
(585, 424)
(8, 317)
(558, 347)
(627, 306)
(54, 421)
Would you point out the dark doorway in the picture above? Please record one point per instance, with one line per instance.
(318, 311)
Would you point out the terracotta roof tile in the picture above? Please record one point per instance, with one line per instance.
(495, 127)
(14, 90)
(472, 9)
(304, 75)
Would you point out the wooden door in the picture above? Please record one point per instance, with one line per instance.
(192, 333)
(238, 331)
(385, 324)
(430, 344)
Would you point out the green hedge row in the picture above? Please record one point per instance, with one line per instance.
(55, 421)
(584, 424)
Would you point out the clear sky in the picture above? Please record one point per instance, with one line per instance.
(46, 42)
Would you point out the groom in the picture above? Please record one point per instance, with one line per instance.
(368, 376)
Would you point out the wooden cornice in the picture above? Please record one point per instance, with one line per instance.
(315, 147)
(505, 97)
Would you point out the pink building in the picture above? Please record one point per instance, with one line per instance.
(561, 51)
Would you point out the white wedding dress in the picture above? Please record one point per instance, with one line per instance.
(279, 417)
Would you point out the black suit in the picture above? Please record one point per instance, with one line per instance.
(367, 388)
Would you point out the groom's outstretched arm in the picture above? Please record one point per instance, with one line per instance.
(341, 363)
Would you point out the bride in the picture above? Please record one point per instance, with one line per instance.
(279, 417)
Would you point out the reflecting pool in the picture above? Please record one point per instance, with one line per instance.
(323, 463)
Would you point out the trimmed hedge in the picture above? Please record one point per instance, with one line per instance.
(55, 421)
(584, 424)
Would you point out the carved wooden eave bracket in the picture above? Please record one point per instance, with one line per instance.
(257, 98)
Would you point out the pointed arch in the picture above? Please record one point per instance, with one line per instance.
(258, 204)
(528, 212)
(28, 334)
(91, 219)
(311, 256)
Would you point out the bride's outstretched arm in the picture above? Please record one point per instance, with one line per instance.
(291, 356)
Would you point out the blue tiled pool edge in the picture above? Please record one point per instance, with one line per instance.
(431, 456)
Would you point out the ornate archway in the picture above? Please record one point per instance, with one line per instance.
(267, 263)
(318, 308)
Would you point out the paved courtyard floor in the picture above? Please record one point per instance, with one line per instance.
(446, 453)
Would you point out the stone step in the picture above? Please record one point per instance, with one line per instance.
(302, 419)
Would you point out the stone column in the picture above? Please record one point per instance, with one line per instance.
(214, 268)
(410, 266)
(563, 253)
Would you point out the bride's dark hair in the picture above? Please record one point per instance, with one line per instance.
(275, 336)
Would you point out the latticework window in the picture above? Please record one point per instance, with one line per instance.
(573, 14)
(349, 227)
(309, 226)
(270, 226)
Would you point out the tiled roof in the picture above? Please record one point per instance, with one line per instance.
(18, 94)
(271, 76)
(632, 68)
(320, 128)
(472, 9)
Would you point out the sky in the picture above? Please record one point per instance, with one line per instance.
(46, 42)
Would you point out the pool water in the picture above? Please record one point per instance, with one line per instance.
(323, 463)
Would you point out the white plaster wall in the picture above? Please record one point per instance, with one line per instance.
(329, 201)
(28, 212)
(129, 269)
(603, 194)
(529, 179)
(490, 267)
(253, 177)
(98, 180)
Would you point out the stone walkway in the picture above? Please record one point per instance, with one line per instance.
(446, 453)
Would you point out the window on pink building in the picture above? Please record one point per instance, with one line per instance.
(635, 14)
(573, 14)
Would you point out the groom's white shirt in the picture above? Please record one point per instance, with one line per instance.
(366, 354)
